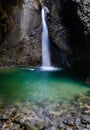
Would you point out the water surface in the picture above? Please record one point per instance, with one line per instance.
(35, 85)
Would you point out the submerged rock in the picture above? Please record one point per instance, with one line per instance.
(40, 124)
(24, 118)
(70, 121)
(16, 127)
(62, 126)
(78, 121)
(9, 112)
(86, 119)
(4, 116)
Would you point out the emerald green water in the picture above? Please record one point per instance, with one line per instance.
(18, 84)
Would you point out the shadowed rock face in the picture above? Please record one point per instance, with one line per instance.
(70, 35)
(69, 32)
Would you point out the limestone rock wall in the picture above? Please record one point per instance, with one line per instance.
(70, 34)
(21, 44)
(69, 31)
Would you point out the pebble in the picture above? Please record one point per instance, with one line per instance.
(62, 126)
(4, 116)
(53, 128)
(16, 126)
(70, 122)
(78, 121)
(40, 124)
(85, 129)
(86, 119)
(26, 118)
(88, 126)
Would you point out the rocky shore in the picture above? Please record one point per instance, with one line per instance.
(26, 115)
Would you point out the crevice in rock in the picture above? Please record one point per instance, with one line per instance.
(77, 39)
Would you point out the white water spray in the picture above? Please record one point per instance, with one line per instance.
(46, 62)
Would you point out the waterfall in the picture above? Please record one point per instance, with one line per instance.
(46, 62)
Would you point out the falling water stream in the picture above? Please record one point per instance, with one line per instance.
(46, 59)
(46, 62)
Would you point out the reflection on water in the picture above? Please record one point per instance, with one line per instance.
(39, 86)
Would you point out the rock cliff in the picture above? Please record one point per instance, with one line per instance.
(69, 31)
(70, 34)
(21, 43)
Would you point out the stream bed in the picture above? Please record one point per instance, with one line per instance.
(35, 99)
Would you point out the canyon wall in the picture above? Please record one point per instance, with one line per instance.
(21, 42)
(69, 31)
(70, 34)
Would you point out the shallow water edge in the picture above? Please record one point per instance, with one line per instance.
(39, 100)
